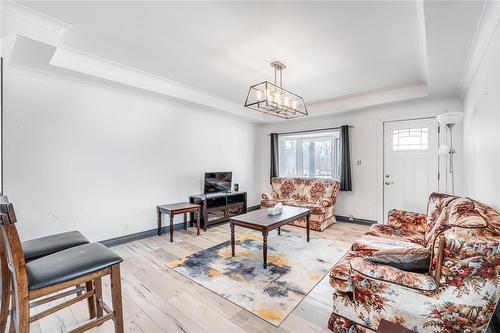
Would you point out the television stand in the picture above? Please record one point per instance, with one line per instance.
(219, 207)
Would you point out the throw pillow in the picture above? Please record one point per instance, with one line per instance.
(408, 259)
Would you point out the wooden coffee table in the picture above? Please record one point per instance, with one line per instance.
(261, 221)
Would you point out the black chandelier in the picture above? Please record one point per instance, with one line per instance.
(272, 99)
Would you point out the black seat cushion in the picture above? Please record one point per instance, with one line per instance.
(69, 264)
(40, 247)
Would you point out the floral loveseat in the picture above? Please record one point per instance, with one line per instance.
(318, 194)
(460, 291)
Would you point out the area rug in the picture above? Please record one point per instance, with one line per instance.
(294, 268)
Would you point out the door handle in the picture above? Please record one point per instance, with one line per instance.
(388, 183)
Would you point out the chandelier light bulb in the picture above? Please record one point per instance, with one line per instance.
(294, 104)
(268, 94)
(258, 95)
(287, 101)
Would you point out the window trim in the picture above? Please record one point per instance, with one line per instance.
(330, 134)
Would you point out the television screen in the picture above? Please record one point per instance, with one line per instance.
(217, 182)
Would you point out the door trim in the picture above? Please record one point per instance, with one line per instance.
(381, 162)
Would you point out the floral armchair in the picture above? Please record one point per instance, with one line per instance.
(318, 194)
(459, 292)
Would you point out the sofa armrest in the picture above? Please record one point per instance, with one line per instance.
(464, 259)
(325, 202)
(407, 220)
(388, 274)
(335, 192)
(270, 196)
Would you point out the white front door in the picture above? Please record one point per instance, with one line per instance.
(410, 164)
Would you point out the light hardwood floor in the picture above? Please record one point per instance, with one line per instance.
(157, 299)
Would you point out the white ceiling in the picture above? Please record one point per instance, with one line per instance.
(333, 50)
(450, 30)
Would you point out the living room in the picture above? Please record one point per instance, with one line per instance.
(276, 166)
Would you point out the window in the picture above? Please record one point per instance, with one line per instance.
(410, 139)
(310, 155)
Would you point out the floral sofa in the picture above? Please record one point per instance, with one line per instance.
(459, 292)
(318, 194)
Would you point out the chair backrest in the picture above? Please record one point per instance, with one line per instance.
(10, 237)
(306, 189)
(287, 188)
(11, 252)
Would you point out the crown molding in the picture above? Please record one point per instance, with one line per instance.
(370, 99)
(82, 62)
(488, 25)
(433, 103)
(119, 88)
(23, 21)
(7, 47)
(421, 38)
(70, 63)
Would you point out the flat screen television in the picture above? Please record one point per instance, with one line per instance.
(217, 182)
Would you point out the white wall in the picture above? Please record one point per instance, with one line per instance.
(82, 156)
(365, 201)
(86, 157)
(482, 127)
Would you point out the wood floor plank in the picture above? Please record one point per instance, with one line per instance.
(143, 323)
(251, 323)
(158, 299)
(164, 314)
(199, 312)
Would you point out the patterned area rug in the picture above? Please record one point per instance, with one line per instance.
(294, 268)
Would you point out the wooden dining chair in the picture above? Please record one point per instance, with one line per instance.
(34, 249)
(58, 275)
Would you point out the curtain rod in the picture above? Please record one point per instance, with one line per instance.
(313, 130)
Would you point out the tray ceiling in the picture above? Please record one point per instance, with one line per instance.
(333, 50)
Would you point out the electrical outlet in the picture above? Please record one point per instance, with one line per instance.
(351, 218)
(358, 162)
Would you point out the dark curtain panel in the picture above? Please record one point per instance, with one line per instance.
(345, 162)
(274, 156)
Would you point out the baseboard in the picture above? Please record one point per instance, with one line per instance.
(149, 233)
(179, 226)
(338, 217)
(341, 218)
(165, 231)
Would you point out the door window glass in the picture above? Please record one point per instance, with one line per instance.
(405, 139)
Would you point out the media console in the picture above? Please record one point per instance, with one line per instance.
(219, 207)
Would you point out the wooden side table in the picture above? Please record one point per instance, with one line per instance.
(175, 209)
(386, 326)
